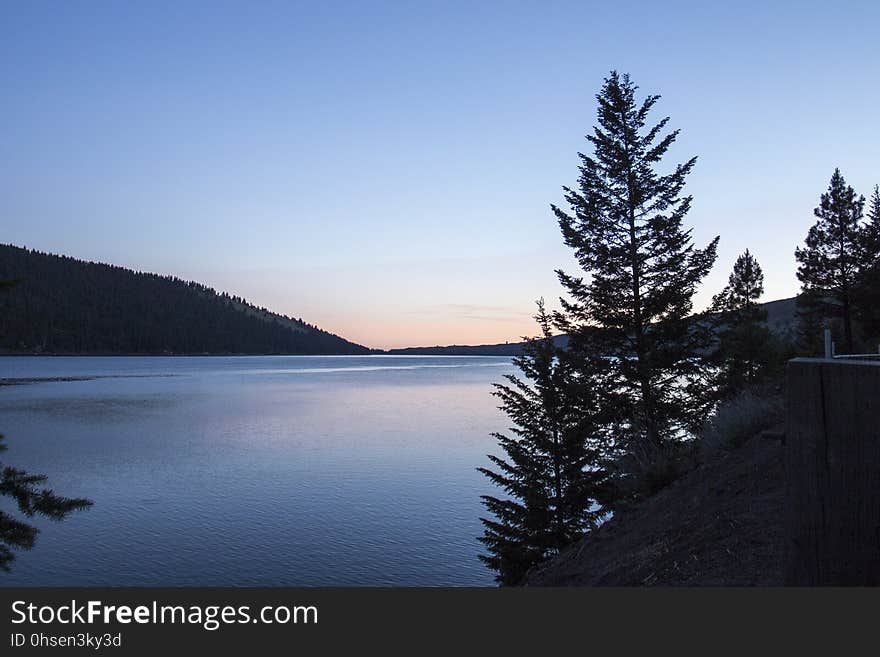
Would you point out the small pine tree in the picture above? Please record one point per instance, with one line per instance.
(868, 293)
(747, 350)
(642, 270)
(744, 287)
(550, 473)
(872, 228)
(810, 324)
(832, 258)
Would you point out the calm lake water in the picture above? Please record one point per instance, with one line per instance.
(263, 471)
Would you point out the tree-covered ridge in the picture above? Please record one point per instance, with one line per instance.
(65, 305)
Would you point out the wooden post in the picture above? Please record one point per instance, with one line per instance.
(832, 458)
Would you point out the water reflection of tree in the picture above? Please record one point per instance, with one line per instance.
(31, 499)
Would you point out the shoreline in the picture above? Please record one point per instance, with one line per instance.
(243, 355)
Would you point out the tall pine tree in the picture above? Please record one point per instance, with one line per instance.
(550, 474)
(641, 267)
(830, 263)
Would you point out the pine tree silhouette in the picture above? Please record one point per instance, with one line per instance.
(868, 298)
(744, 287)
(641, 271)
(747, 351)
(31, 500)
(831, 260)
(551, 473)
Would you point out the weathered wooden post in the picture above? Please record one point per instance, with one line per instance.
(833, 472)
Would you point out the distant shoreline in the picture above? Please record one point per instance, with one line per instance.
(13, 381)
(411, 354)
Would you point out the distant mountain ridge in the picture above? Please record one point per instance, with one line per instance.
(62, 305)
(505, 349)
(781, 320)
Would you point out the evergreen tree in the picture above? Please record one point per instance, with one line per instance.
(550, 473)
(642, 270)
(871, 239)
(747, 350)
(744, 287)
(868, 295)
(831, 260)
(31, 501)
(810, 325)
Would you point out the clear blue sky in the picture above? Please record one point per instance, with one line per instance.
(385, 169)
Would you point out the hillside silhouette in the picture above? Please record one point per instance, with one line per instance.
(62, 305)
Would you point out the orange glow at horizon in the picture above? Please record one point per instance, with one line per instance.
(422, 333)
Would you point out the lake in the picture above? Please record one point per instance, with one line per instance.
(256, 471)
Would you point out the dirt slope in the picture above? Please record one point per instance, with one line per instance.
(719, 525)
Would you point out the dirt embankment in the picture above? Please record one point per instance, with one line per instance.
(720, 524)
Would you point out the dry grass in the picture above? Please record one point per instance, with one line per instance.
(741, 418)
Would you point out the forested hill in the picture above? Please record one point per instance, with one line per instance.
(67, 306)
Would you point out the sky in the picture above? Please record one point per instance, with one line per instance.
(385, 170)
